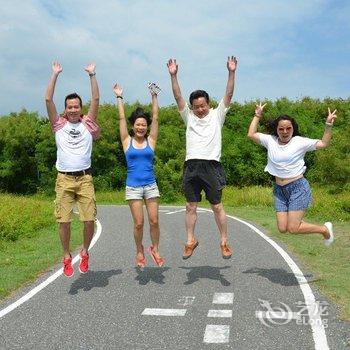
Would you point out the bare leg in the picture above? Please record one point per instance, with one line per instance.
(221, 221)
(282, 221)
(136, 207)
(191, 219)
(298, 226)
(64, 231)
(89, 228)
(152, 210)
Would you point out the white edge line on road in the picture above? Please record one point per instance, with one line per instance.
(163, 312)
(318, 331)
(50, 279)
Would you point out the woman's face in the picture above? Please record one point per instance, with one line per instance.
(285, 130)
(140, 127)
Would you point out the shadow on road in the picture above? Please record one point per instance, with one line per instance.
(92, 279)
(209, 272)
(147, 274)
(278, 276)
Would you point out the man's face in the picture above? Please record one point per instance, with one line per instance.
(73, 110)
(200, 107)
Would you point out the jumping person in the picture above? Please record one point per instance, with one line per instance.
(286, 151)
(202, 168)
(74, 133)
(141, 183)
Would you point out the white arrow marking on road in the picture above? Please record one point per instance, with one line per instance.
(219, 313)
(216, 334)
(164, 312)
(42, 285)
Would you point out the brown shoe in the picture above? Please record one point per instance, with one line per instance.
(189, 248)
(226, 251)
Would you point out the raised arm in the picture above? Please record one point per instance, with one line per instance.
(123, 128)
(253, 133)
(327, 131)
(95, 94)
(231, 67)
(173, 68)
(153, 134)
(50, 105)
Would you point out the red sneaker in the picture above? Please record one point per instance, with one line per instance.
(67, 267)
(84, 262)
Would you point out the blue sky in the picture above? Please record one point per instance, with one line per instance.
(286, 48)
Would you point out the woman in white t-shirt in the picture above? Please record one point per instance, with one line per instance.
(286, 151)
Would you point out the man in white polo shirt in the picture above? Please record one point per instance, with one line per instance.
(202, 169)
(74, 134)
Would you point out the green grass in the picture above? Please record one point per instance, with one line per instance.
(35, 246)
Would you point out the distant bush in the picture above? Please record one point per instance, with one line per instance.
(28, 151)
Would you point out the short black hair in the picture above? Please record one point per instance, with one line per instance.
(273, 124)
(197, 94)
(72, 97)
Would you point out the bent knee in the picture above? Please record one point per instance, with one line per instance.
(293, 228)
(217, 207)
(282, 229)
(138, 225)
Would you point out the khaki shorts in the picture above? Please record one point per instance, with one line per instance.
(74, 189)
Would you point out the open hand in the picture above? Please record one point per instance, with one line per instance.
(231, 63)
(90, 68)
(118, 90)
(172, 66)
(56, 68)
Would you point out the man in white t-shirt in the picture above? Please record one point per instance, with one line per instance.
(74, 134)
(202, 169)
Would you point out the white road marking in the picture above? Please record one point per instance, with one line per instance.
(176, 211)
(163, 312)
(282, 315)
(185, 301)
(219, 313)
(216, 334)
(223, 298)
(50, 279)
(316, 324)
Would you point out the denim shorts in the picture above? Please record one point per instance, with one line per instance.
(294, 196)
(141, 192)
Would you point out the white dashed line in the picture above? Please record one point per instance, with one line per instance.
(49, 280)
(216, 334)
(164, 312)
(219, 313)
(223, 298)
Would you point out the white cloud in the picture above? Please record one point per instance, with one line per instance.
(277, 44)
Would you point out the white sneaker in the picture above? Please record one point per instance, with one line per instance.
(329, 241)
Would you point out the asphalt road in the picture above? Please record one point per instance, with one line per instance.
(255, 300)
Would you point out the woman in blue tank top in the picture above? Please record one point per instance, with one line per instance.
(141, 186)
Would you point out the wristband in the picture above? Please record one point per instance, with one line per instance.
(92, 74)
(258, 116)
(120, 97)
(329, 124)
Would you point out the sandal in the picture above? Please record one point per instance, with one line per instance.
(159, 261)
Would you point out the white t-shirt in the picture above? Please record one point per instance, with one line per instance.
(74, 146)
(203, 135)
(286, 161)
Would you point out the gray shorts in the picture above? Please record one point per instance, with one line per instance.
(141, 192)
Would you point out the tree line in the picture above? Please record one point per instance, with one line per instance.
(28, 151)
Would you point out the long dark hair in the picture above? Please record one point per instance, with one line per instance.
(272, 125)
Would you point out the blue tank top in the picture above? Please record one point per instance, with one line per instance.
(139, 163)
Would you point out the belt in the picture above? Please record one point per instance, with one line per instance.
(77, 173)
